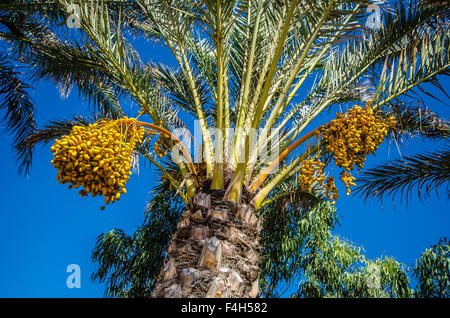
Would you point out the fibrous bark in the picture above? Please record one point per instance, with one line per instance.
(214, 252)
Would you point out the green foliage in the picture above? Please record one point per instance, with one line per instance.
(129, 264)
(287, 238)
(298, 246)
(432, 271)
(337, 268)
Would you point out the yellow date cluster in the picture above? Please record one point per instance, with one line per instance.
(312, 171)
(331, 189)
(97, 157)
(354, 135)
(347, 179)
(161, 146)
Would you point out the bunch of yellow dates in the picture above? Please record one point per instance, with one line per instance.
(162, 147)
(354, 135)
(98, 157)
(312, 171)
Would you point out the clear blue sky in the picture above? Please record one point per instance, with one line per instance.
(44, 227)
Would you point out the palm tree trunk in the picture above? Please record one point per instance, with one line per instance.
(214, 252)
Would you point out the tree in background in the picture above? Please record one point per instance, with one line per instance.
(432, 271)
(261, 180)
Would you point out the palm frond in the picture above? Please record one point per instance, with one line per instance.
(17, 105)
(176, 87)
(69, 66)
(424, 172)
(417, 121)
(352, 72)
(65, 63)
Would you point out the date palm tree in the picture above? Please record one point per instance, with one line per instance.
(253, 75)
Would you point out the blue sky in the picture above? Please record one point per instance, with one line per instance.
(44, 227)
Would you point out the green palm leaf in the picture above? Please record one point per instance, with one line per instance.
(18, 107)
(417, 121)
(424, 172)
